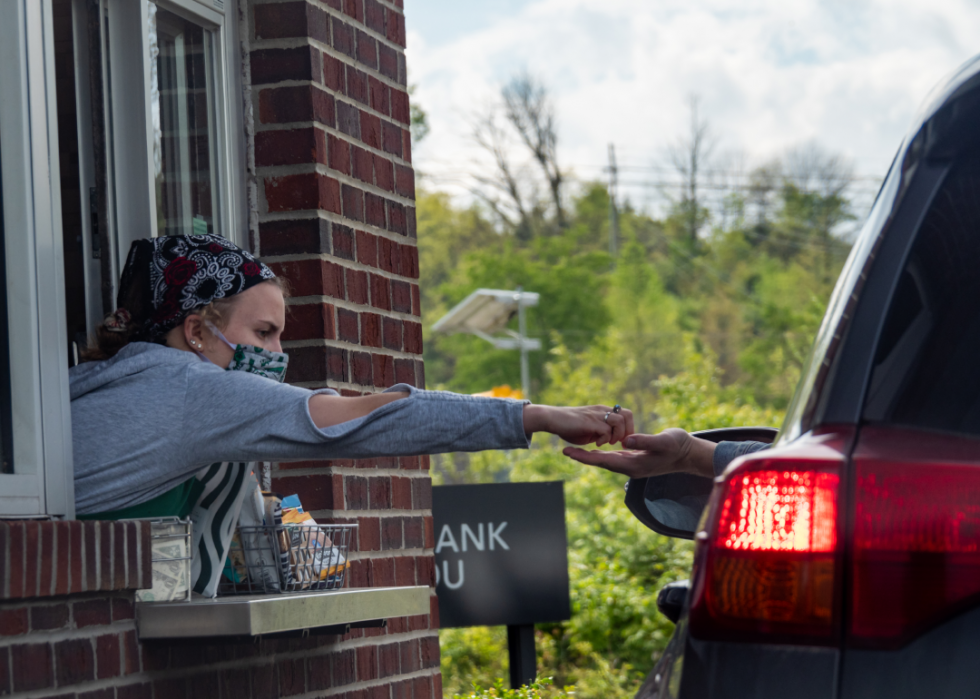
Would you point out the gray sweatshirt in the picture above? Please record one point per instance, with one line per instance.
(146, 420)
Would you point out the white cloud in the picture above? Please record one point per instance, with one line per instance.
(771, 74)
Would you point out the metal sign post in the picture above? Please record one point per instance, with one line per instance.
(502, 560)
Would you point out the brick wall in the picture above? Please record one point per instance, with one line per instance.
(333, 197)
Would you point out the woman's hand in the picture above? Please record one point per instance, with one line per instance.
(582, 425)
(671, 451)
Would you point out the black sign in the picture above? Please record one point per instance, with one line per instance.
(501, 554)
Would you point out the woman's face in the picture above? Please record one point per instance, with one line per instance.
(257, 317)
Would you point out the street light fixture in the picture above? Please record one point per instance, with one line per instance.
(485, 313)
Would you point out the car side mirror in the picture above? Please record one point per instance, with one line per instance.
(672, 504)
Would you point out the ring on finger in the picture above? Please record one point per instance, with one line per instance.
(617, 408)
(606, 418)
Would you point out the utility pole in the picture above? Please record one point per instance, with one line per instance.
(613, 213)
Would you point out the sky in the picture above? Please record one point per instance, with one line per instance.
(769, 75)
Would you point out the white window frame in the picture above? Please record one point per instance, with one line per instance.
(42, 482)
(132, 199)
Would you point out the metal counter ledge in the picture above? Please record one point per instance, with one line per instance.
(257, 615)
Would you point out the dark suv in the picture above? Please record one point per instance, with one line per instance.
(844, 562)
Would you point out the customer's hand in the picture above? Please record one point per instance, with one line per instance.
(671, 451)
(583, 425)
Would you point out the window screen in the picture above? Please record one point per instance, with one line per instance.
(927, 364)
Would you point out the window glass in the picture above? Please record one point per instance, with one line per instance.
(927, 363)
(182, 104)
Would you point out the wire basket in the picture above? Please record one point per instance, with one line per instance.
(287, 558)
(170, 560)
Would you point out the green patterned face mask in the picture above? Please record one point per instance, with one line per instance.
(255, 360)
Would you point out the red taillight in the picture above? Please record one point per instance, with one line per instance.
(916, 557)
(767, 562)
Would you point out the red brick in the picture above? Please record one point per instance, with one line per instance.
(405, 181)
(295, 236)
(384, 370)
(355, 9)
(367, 249)
(430, 651)
(362, 369)
(289, 147)
(413, 334)
(368, 534)
(392, 333)
(77, 561)
(30, 544)
(317, 675)
(414, 529)
(396, 218)
(382, 571)
(425, 566)
(122, 609)
(406, 145)
(401, 297)
(343, 37)
(420, 375)
(374, 206)
(357, 85)
(141, 691)
(4, 672)
(120, 557)
(404, 571)
(380, 100)
(422, 687)
(405, 371)
(281, 21)
(93, 613)
(329, 191)
(408, 652)
(367, 50)
(338, 154)
(388, 62)
(422, 493)
(334, 74)
(265, 684)
(32, 667)
(292, 677)
(107, 654)
(357, 288)
(391, 533)
(13, 622)
(408, 463)
(131, 651)
(410, 261)
(324, 107)
(49, 617)
(75, 661)
(430, 540)
(347, 326)
(62, 534)
(292, 192)
(383, 176)
(349, 119)
(380, 293)
(282, 105)
(374, 16)
(370, 329)
(318, 364)
(91, 532)
(401, 493)
(396, 28)
(399, 108)
(416, 301)
(356, 491)
(367, 663)
(371, 130)
(319, 492)
(436, 682)
(95, 694)
(379, 492)
(363, 165)
(310, 321)
(277, 65)
(353, 202)
(343, 668)
(388, 660)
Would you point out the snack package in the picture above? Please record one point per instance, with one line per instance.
(315, 560)
(259, 551)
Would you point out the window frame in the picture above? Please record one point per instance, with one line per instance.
(132, 197)
(42, 481)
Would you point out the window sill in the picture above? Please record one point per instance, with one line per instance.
(258, 615)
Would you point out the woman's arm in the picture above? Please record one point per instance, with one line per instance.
(581, 425)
